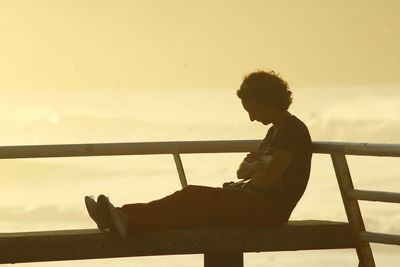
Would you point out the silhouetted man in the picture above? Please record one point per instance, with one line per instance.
(272, 178)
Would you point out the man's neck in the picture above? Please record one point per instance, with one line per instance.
(280, 119)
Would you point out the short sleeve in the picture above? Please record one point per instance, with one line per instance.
(291, 137)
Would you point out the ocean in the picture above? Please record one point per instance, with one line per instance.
(47, 194)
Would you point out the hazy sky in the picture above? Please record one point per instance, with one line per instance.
(62, 61)
(98, 44)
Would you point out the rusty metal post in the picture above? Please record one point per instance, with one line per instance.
(181, 170)
(353, 212)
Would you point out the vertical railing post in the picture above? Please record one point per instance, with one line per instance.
(181, 171)
(353, 212)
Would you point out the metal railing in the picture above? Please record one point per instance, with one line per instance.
(337, 150)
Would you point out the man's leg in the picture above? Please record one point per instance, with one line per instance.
(202, 207)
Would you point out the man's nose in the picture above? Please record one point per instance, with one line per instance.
(251, 117)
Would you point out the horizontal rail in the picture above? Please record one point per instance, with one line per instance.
(225, 146)
(360, 149)
(374, 196)
(113, 149)
(380, 238)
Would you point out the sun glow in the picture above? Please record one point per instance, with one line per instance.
(54, 119)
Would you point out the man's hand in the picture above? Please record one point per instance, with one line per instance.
(252, 156)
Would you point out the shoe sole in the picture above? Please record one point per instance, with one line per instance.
(117, 227)
(94, 213)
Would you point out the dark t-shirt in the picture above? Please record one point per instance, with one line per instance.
(292, 136)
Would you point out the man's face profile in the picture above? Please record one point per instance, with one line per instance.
(257, 112)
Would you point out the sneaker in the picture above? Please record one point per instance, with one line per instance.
(96, 214)
(118, 220)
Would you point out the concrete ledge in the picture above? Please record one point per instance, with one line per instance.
(91, 244)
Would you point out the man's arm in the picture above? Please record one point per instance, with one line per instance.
(247, 169)
(272, 172)
(250, 164)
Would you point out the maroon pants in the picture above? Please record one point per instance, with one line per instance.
(202, 207)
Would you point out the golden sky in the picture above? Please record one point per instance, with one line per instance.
(97, 44)
(78, 51)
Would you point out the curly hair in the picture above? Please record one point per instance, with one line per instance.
(266, 88)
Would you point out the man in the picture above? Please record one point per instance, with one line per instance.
(273, 178)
